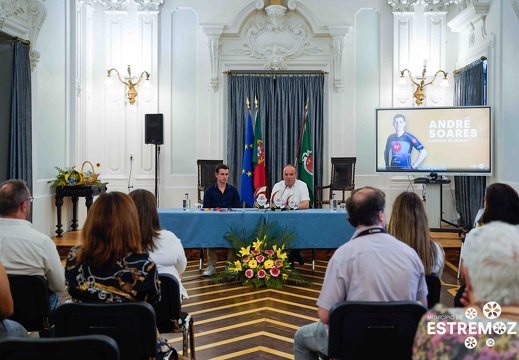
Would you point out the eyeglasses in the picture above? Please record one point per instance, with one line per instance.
(29, 200)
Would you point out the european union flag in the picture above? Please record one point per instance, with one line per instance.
(247, 180)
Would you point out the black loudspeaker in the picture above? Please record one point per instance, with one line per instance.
(154, 129)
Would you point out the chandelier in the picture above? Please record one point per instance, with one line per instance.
(430, 5)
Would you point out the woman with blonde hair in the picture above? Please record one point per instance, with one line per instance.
(409, 224)
(164, 247)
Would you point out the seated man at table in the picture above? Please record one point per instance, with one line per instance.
(290, 188)
(220, 195)
(371, 266)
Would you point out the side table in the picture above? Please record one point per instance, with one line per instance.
(75, 192)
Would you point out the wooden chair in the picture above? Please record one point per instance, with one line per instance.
(31, 302)
(132, 325)
(434, 287)
(342, 179)
(169, 316)
(88, 347)
(373, 330)
(205, 175)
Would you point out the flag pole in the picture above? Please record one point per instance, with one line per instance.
(301, 133)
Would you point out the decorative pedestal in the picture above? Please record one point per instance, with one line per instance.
(75, 192)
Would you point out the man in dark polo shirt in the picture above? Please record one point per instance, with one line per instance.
(220, 195)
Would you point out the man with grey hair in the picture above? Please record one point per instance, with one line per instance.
(24, 250)
(487, 328)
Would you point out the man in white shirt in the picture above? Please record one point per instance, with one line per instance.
(290, 189)
(24, 250)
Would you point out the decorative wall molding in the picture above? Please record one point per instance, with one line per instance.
(515, 5)
(122, 5)
(338, 32)
(435, 6)
(24, 19)
(471, 26)
(276, 36)
(213, 33)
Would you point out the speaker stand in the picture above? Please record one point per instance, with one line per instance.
(157, 153)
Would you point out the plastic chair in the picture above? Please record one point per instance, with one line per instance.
(169, 316)
(88, 347)
(342, 179)
(131, 325)
(205, 175)
(434, 287)
(31, 301)
(373, 330)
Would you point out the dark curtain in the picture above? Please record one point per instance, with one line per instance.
(6, 64)
(470, 89)
(282, 99)
(20, 139)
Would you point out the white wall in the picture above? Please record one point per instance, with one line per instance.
(75, 121)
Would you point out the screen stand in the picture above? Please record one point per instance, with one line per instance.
(433, 202)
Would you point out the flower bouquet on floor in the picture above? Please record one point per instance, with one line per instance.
(262, 259)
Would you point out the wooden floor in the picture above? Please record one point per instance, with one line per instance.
(237, 322)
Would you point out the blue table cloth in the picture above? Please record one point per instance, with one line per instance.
(314, 228)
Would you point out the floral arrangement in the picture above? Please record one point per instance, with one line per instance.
(262, 262)
(71, 176)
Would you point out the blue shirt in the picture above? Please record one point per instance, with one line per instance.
(399, 148)
(214, 198)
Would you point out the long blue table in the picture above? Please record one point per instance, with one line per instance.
(314, 228)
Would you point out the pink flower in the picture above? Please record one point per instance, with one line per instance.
(262, 273)
(260, 258)
(245, 259)
(278, 263)
(254, 252)
(269, 252)
(249, 273)
(274, 271)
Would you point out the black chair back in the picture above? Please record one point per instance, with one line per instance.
(206, 175)
(169, 306)
(373, 330)
(131, 325)
(90, 347)
(31, 301)
(342, 179)
(434, 286)
(169, 315)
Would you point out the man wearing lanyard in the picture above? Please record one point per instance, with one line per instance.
(372, 266)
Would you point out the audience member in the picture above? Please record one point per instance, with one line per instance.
(371, 266)
(501, 204)
(26, 251)
(164, 247)
(292, 189)
(220, 195)
(8, 327)
(109, 266)
(408, 223)
(484, 330)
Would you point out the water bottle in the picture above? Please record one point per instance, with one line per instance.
(333, 203)
(186, 203)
